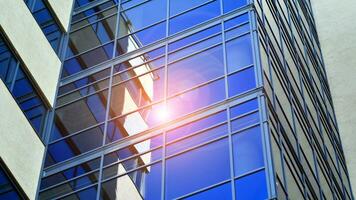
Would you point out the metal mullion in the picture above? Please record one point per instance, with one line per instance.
(195, 53)
(244, 114)
(148, 133)
(195, 42)
(193, 8)
(83, 87)
(88, 50)
(91, 23)
(83, 97)
(197, 146)
(76, 133)
(250, 173)
(203, 189)
(75, 191)
(88, 6)
(136, 5)
(91, 15)
(68, 180)
(130, 171)
(238, 36)
(196, 133)
(245, 128)
(135, 77)
(108, 103)
(154, 45)
(130, 157)
(236, 26)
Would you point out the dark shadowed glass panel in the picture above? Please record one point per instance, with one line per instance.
(70, 173)
(252, 187)
(87, 194)
(241, 81)
(194, 17)
(197, 169)
(7, 189)
(239, 53)
(223, 192)
(248, 152)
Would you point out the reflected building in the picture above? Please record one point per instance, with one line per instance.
(181, 99)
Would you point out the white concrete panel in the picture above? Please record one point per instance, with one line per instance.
(62, 9)
(336, 27)
(31, 45)
(20, 147)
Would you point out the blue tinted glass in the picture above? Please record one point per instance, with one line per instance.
(87, 194)
(144, 15)
(7, 189)
(197, 98)
(178, 6)
(236, 21)
(248, 152)
(222, 192)
(196, 69)
(237, 31)
(230, 5)
(239, 53)
(252, 187)
(197, 169)
(194, 17)
(241, 81)
(245, 121)
(243, 108)
(196, 139)
(194, 38)
(196, 126)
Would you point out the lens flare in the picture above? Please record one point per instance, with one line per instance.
(163, 114)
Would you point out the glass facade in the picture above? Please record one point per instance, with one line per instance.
(177, 99)
(8, 190)
(44, 18)
(22, 88)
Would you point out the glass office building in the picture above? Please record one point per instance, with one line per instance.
(203, 99)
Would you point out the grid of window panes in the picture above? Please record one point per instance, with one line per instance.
(160, 103)
(46, 21)
(308, 156)
(20, 86)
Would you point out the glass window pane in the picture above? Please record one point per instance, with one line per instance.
(252, 187)
(194, 17)
(230, 5)
(195, 126)
(207, 165)
(196, 99)
(239, 53)
(178, 6)
(144, 183)
(243, 108)
(248, 152)
(219, 192)
(241, 81)
(195, 70)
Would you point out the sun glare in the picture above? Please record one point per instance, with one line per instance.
(163, 114)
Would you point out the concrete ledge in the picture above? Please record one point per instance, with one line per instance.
(20, 147)
(31, 46)
(63, 10)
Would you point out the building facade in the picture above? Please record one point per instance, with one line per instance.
(171, 99)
